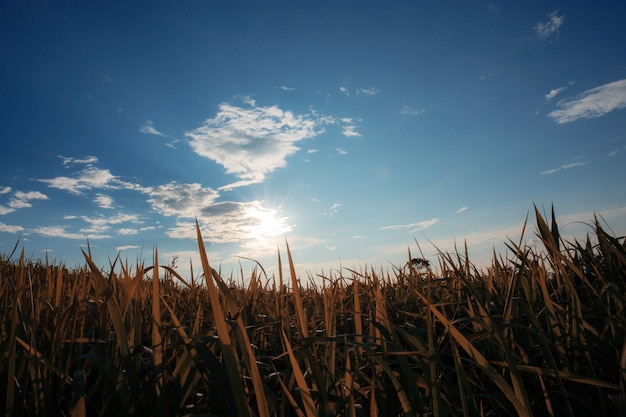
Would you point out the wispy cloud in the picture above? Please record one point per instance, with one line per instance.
(553, 93)
(251, 141)
(415, 227)
(285, 88)
(592, 103)
(544, 30)
(149, 129)
(101, 224)
(71, 161)
(408, 111)
(556, 91)
(349, 128)
(334, 209)
(368, 91)
(126, 247)
(5, 190)
(60, 231)
(350, 131)
(344, 90)
(462, 209)
(564, 167)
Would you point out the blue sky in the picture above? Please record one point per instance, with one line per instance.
(354, 130)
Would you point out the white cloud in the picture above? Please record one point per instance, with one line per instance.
(545, 30)
(368, 91)
(182, 200)
(87, 160)
(334, 209)
(126, 247)
(10, 229)
(104, 201)
(16, 204)
(406, 110)
(103, 224)
(564, 167)
(21, 200)
(415, 227)
(59, 231)
(31, 195)
(149, 129)
(462, 209)
(285, 88)
(247, 223)
(88, 178)
(251, 142)
(553, 93)
(127, 231)
(5, 190)
(556, 91)
(344, 90)
(592, 103)
(221, 222)
(350, 131)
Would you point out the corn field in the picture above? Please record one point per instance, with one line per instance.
(540, 333)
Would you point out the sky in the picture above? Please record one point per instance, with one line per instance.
(353, 131)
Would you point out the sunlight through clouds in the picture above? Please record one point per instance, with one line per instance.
(407, 115)
(221, 221)
(234, 222)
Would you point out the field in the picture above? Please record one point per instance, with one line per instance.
(541, 333)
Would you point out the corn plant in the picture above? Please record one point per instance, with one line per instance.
(540, 332)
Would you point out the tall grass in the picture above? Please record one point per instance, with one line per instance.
(541, 333)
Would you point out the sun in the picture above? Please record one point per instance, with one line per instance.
(266, 223)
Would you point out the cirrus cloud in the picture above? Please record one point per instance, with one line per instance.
(546, 29)
(592, 103)
(415, 227)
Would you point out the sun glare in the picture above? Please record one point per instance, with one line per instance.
(266, 223)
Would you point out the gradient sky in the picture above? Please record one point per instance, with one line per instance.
(354, 130)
